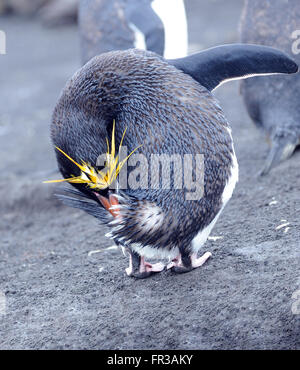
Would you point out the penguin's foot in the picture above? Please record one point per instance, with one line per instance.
(140, 269)
(177, 266)
(176, 262)
(146, 269)
(197, 262)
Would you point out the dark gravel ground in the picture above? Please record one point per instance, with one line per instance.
(58, 296)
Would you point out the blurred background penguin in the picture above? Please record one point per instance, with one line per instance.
(51, 12)
(154, 25)
(106, 25)
(273, 101)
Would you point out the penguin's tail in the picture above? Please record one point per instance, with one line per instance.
(283, 144)
(130, 221)
(77, 199)
(107, 209)
(220, 64)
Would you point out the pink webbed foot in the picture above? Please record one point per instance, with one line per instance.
(175, 262)
(140, 269)
(197, 262)
(179, 266)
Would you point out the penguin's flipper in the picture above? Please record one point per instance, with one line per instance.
(214, 66)
(144, 18)
(282, 147)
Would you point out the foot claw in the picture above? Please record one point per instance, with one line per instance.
(181, 269)
(157, 267)
(175, 262)
(145, 269)
(147, 272)
(197, 262)
(177, 267)
(142, 275)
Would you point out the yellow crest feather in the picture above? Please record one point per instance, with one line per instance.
(99, 179)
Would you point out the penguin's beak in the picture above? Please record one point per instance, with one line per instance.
(111, 204)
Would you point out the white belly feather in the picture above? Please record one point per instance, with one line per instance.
(202, 236)
(173, 16)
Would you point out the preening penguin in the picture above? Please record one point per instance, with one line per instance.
(273, 102)
(155, 25)
(154, 107)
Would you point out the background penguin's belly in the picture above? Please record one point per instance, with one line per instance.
(172, 13)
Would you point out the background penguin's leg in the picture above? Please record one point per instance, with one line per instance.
(283, 145)
(140, 269)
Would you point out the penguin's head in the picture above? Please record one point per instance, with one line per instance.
(94, 178)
